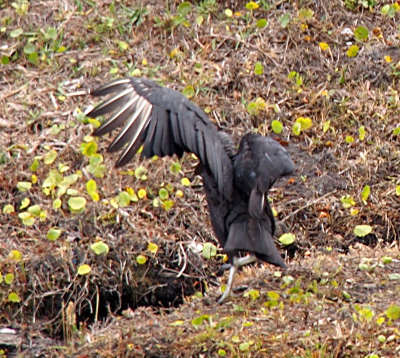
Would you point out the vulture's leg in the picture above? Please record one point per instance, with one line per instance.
(237, 262)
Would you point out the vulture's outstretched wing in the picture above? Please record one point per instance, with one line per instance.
(165, 122)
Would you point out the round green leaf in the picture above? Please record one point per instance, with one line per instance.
(361, 33)
(84, 269)
(353, 51)
(141, 260)
(53, 234)
(77, 203)
(362, 230)
(152, 247)
(209, 250)
(13, 297)
(9, 278)
(100, 247)
(163, 194)
(258, 68)
(277, 126)
(8, 209)
(287, 239)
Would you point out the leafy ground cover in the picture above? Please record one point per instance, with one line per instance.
(82, 245)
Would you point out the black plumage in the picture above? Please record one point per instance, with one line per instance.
(236, 183)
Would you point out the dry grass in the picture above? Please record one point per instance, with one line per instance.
(325, 311)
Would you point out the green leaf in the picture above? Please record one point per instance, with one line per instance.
(175, 168)
(53, 234)
(84, 269)
(393, 312)
(273, 295)
(8, 209)
(51, 33)
(141, 260)
(287, 239)
(16, 33)
(13, 297)
(15, 255)
(209, 250)
(29, 48)
(33, 58)
(347, 201)
(296, 128)
(163, 194)
(123, 199)
(252, 5)
(88, 149)
(5, 60)
(258, 68)
(35, 210)
(261, 23)
(27, 218)
(34, 166)
(100, 248)
(277, 126)
(24, 186)
(361, 33)
(167, 204)
(9, 278)
(184, 8)
(244, 347)
(365, 192)
(361, 132)
(77, 203)
(362, 230)
(387, 260)
(253, 294)
(188, 91)
(353, 51)
(185, 182)
(306, 14)
(152, 247)
(91, 186)
(140, 173)
(57, 204)
(284, 20)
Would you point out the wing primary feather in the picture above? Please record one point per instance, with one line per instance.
(134, 122)
(111, 104)
(111, 87)
(118, 118)
(130, 151)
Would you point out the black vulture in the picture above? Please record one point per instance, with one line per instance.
(236, 182)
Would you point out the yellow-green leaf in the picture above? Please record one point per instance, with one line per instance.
(141, 260)
(8, 209)
(84, 269)
(362, 230)
(185, 182)
(287, 239)
(77, 203)
(152, 247)
(24, 186)
(353, 51)
(13, 297)
(100, 247)
(53, 234)
(324, 46)
(9, 278)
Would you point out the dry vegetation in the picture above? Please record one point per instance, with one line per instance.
(338, 297)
